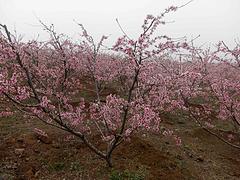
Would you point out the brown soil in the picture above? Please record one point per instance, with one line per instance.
(201, 156)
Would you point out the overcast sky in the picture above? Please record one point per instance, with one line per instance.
(214, 20)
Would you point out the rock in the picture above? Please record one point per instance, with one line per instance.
(19, 151)
(37, 173)
(12, 166)
(36, 151)
(200, 159)
(43, 138)
(190, 154)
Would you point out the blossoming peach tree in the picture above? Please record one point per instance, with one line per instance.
(209, 89)
(46, 80)
(127, 89)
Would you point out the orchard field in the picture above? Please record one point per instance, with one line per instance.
(153, 107)
(146, 156)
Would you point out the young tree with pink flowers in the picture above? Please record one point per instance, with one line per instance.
(43, 79)
(130, 88)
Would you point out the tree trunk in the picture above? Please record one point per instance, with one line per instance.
(109, 161)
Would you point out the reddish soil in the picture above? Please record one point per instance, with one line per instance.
(146, 156)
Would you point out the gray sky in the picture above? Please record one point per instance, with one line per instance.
(214, 20)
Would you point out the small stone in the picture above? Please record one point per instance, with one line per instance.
(200, 159)
(190, 155)
(43, 138)
(19, 151)
(36, 151)
(37, 173)
(12, 166)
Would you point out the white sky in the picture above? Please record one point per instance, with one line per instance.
(214, 20)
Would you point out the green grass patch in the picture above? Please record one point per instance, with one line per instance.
(129, 175)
